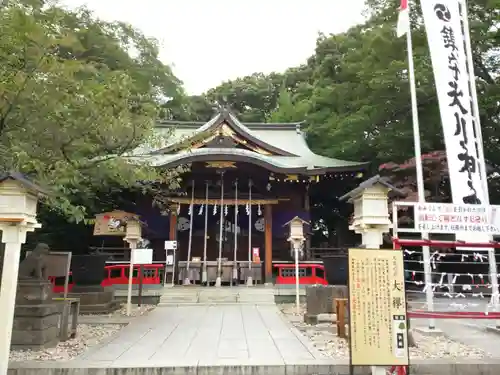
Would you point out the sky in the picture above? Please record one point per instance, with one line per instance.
(208, 42)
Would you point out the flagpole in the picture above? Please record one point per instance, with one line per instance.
(418, 165)
(475, 106)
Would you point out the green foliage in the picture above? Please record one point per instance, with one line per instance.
(251, 98)
(77, 95)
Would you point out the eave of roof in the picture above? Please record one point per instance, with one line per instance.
(277, 164)
(23, 180)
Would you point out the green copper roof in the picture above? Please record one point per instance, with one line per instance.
(287, 140)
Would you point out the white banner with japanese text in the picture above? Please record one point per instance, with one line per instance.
(446, 38)
(460, 219)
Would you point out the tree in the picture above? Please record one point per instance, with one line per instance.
(75, 101)
(251, 98)
(359, 104)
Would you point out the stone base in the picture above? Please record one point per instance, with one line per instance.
(33, 292)
(426, 331)
(95, 299)
(36, 326)
(320, 318)
(320, 299)
(311, 319)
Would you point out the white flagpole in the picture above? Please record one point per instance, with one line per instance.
(475, 107)
(235, 257)
(204, 276)
(418, 165)
(218, 281)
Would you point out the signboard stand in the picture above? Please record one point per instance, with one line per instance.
(170, 250)
(140, 257)
(141, 275)
(469, 223)
(378, 329)
(378, 326)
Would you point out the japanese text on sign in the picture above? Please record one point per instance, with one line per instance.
(377, 308)
(455, 218)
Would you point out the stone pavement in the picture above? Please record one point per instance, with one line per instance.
(206, 335)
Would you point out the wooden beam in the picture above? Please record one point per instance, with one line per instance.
(227, 202)
(268, 241)
(11, 220)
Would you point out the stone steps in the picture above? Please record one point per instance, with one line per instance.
(211, 296)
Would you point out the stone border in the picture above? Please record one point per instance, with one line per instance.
(249, 367)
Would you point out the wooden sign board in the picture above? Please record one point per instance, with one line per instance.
(378, 326)
(112, 223)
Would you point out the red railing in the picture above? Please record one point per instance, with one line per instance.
(309, 274)
(420, 314)
(117, 275)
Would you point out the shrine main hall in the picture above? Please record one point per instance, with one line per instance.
(242, 183)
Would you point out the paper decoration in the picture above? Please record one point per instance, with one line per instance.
(259, 210)
(215, 209)
(200, 212)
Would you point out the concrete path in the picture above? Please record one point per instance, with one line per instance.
(206, 336)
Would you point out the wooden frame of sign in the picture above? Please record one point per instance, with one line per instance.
(378, 320)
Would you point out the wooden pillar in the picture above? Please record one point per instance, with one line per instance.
(268, 235)
(172, 236)
(307, 208)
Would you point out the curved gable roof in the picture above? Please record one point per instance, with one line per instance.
(286, 142)
(228, 118)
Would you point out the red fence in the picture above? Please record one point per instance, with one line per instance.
(118, 275)
(309, 274)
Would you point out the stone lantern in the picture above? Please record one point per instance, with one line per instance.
(133, 232)
(297, 239)
(18, 200)
(371, 209)
(18, 206)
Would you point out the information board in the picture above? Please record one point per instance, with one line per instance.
(170, 245)
(457, 218)
(377, 308)
(142, 256)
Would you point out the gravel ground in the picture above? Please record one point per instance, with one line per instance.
(325, 339)
(122, 311)
(88, 336)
